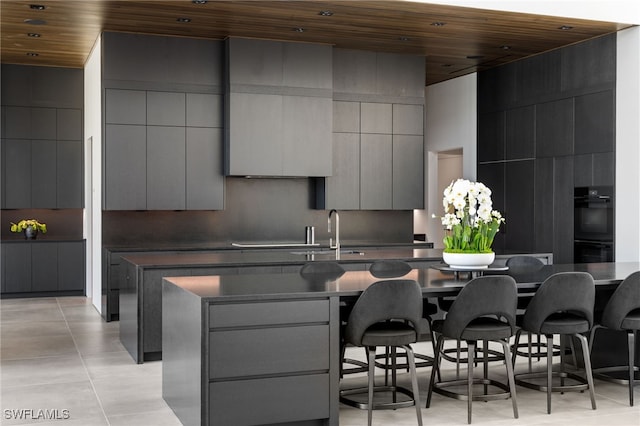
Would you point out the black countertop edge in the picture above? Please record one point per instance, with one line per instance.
(286, 245)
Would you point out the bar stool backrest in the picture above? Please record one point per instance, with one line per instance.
(389, 268)
(491, 295)
(383, 301)
(625, 299)
(567, 292)
(524, 264)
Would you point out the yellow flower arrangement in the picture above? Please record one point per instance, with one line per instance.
(25, 223)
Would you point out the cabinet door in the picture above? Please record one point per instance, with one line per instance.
(563, 210)
(17, 173)
(408, 174)
(408, 119)
(254, 149)
(520, 133)
(43, 174)
(205, 180)
(70, 175)
(342, 189)
(376, 175)
(125, 167)
(306, 139)
(543, 205)
(491, 136)
(554, 128)
(595, 123)
(16, 268)
(166, 184)
(519, 202)
(71, 266)
(44, 267)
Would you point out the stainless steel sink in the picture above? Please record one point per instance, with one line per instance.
(325, 251)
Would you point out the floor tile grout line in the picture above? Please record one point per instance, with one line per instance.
(84, 365)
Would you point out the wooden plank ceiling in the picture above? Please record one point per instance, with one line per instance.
(455, 40)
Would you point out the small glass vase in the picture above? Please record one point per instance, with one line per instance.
(30, 233)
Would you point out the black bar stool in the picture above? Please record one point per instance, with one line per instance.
(622, 313)
(485, 309)
(562, 305)
(392, 268)
(386, 314)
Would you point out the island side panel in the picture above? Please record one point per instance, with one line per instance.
(130, 320)
(182, 346)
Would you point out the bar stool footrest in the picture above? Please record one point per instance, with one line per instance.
(345, 393)
(440, 388)
(604, 373)
(524, 381)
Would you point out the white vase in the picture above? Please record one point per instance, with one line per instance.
(468, 260)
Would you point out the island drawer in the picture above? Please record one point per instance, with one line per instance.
(268, 351)
(268, 313)
(268, 401)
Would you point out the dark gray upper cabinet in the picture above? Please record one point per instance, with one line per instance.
(125, 174)
(278, 108)
(520, 133)
(594, 169)
(497, 88)
(491, 136)
(16, 166)
(51, 87)
(166, 109)
(160, 60)
(125, 106)
(588, 64)
(538, 77)
(342, 189)
(377, 73)
(554, 128)
(50, 140)
(69, 174)
(376, 173)
(43, 174)
(595, 122)
(204, 169)
(408, 175)
(166, 173)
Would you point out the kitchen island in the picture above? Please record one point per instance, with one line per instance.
(140, 293)
(271, 341)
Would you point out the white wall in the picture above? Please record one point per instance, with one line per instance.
(93, 173)
(628, 146)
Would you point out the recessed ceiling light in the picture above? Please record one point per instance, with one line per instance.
(37, 6)
(298, 29)
(32, 54)
(446, 65)
(184, 20)
(199, 1)
(438, 24)
(325, 13)
(34, 35)
(505, 47)
(35, 22)
(404, 38)
(565, 28)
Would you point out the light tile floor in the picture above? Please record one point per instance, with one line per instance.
(58, 354)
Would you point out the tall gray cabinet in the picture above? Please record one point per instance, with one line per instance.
(378, 128)
(42, 150)
(546, 125)
(163, 123)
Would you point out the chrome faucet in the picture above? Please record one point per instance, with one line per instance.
(337, 245)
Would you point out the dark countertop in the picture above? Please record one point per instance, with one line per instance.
(261, 245)
(352, 283)
(295, 256)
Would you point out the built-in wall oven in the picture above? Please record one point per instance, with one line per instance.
(593, 224)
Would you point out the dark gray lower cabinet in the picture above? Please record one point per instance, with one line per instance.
(43, 268)
(210, 372)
